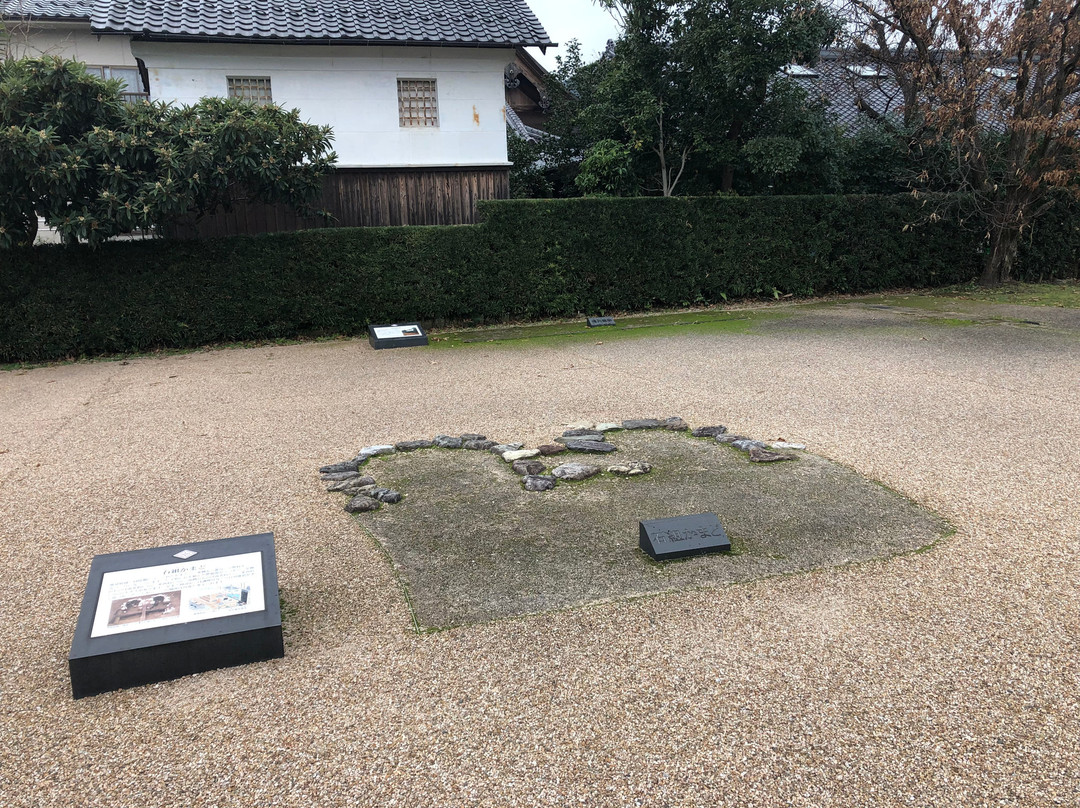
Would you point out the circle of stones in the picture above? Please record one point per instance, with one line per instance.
(365, 495)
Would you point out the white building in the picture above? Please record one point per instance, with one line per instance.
(414, 91)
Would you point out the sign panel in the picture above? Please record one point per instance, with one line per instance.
(156, 614)
(149, 597)
(396, 336)
(681, 536)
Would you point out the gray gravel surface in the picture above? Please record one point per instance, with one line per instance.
(947, 678)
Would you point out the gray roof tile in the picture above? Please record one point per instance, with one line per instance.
(46, 9)
(458, 22)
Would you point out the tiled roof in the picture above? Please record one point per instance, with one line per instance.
(46, 9)
(521, 129)
(458, 22)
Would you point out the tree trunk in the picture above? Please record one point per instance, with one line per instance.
(727, 179)
(1004, 242)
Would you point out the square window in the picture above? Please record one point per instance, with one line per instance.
(255, 89)
(417, 102)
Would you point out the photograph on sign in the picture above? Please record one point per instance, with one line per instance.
(151, 597)
(396, 331)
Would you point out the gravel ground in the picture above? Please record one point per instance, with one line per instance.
(948, 678)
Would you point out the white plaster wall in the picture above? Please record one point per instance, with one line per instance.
(69, 41)
(354, 90)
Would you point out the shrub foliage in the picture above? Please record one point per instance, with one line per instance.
(528, 259)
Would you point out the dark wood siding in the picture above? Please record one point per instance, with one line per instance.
(371, 197)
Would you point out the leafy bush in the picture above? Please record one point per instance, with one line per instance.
(528, 259)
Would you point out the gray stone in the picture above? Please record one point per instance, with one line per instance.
(528, 467)
(574, 471)
(388, 495)
(519, 454)
(783, 444)
(361, 503)
(372, 451)
(708, 431)
(478, 444)
(594, 436)
(630, 468)
(608, 427)
(641, 423)
(730, 438)
(577, 433)
(675, 424)
(412, 445)
(472, 436)
(760, 455)
(551, 449)
(349, 486)
(501, 448)
(595, 446)
(447, 442)
(747, 444)
(334, 468)
(338, 476)
(537, 483)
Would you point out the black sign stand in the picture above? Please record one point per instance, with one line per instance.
(681, 536)
(127, 659)
(405, 335)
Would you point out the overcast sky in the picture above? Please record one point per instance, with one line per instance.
(564, 20)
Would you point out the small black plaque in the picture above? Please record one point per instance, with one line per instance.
(162, 613)
(593, 322)
(681, 536)
(396, 336)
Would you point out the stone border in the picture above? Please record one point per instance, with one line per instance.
(365, 495)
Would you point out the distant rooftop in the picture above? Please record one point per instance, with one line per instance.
(480, 23)
(46, 9)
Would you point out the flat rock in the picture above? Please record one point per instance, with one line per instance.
(344, 465)
(500, 448)
(730, 438)
(337, 476)
(608, 427)
(595, 446)
(783, 444)
(642, 423)
(528, 467)
(759, 455)
(574, 471)
(630, 468)
(519, 454)
(708, 431)
(467, 436)
(387, 495)
(675, 424)
(577, 433)
(551, 449)
(361, 503)
(746, 444)
(478, 444)
(447, 442)
(372, 451)
(594, 436)
(537, 483)
(349, 485)
(412, 445)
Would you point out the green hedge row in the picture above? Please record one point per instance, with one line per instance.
(528, 259)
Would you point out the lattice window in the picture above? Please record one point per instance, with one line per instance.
(250, 88)
(418, 102)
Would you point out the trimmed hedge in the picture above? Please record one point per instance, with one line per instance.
(529, 259)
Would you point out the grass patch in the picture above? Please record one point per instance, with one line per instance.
(470, 545)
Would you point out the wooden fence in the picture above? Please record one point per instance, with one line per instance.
(370, 197)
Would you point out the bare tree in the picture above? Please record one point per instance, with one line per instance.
(996, 81)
